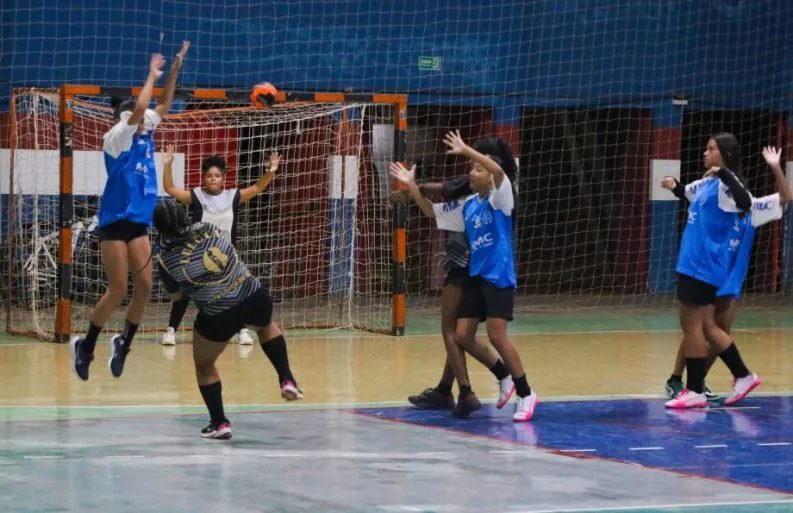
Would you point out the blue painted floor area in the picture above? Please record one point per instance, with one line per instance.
(751, 444)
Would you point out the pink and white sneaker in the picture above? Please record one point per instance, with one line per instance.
(524, 409)
(220, 431)
(741, 388)
(688, 399)
(506, 388)
(290, 392)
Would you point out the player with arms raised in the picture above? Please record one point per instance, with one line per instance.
(125, 215)
(212, 203)
(489, 294)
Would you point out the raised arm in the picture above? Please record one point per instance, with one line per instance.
(458, 147)
(261, 184)
(450, 189)
(178, 193)
(407, 177)
(142, 103)
(170, 85)
(772, 156)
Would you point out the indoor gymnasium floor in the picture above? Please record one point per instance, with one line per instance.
(600, 440)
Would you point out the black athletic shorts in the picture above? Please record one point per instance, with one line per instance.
(255, 310)
(694, 292)
(456, 276)
(122, 230)
(482, 300)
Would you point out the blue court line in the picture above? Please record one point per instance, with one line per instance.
(751, 444)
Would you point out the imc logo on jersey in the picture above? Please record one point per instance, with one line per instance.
(764, 205)
(452, 205)
(483, 241)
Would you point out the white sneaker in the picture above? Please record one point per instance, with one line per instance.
(169, 337)
(742, 387)
(245, 337)
(506, 388)
(688, 399)
(524, 409)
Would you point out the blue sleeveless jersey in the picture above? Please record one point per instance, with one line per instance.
(708, 247)
(131, 189)
(487, 223)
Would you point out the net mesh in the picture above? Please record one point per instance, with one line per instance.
(319, 237)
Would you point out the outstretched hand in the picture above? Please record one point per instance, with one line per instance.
(179, 59)
(275, 159)
(155, 64)
(398, 171)
(772, 155)
(167, 156)
(455, 143)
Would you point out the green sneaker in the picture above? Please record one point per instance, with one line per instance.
(673, 387)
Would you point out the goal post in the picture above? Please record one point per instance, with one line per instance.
(322, 237)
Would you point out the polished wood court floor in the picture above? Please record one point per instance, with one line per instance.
(601, 439)
(353, 368)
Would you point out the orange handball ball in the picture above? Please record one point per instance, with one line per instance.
(264, 95)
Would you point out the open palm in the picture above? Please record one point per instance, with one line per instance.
(402, 174)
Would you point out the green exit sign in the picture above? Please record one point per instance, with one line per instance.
(430, 63)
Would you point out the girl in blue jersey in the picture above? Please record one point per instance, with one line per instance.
(457, 253)
(486, 219)
(125, 215)
(212, 203)
(719, 205)
(764, 210)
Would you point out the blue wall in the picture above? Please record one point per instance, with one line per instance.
(727, 52)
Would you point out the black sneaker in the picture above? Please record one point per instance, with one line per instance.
(431, 399)
(80, 359)
(467, 406)
(710, 395)
(220, 431)
(118, 355)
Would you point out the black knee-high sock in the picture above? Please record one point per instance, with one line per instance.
(275, 349)
(695, 374)
(129, 332)
(732, 359)
(499, 370)
(178, 309)
(213, 398)
(90, 338)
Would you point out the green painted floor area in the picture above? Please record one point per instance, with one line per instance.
(551, 322)
(595, 321)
